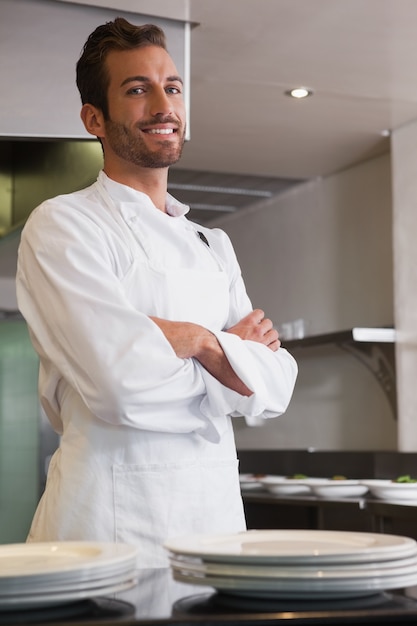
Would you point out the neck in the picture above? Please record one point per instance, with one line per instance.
(152, 182)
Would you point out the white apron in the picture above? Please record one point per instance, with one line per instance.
(116, 483)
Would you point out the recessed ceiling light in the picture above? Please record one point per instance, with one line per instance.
(299, 92)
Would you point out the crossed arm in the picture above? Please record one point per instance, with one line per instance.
(193, 341)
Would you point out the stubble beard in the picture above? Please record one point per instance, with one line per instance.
(132, 148)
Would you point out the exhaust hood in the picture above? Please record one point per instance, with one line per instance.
(40, 42)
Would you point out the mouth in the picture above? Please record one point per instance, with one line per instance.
(160, 131)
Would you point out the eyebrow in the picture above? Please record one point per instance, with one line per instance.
(145, 79)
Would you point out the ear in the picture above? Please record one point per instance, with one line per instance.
(93, 120)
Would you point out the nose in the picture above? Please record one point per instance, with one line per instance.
(160, 103)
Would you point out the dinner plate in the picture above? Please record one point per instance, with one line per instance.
(59, 586)
(390, 490)
(49, 559)
(38, 600)
(251, 478)
(16, 584)
(398, 567)
(287, 489)
(272, 479)
(250, 481)
(294, 546)
(250, 486)
(311, 589)
(282, 485)
(43, 581)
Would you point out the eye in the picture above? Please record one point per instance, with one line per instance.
(173, 90)
(136, 91)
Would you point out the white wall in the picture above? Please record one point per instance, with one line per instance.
(323, 252)
(404, 142)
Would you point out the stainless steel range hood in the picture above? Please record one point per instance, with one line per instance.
(40, 42)
(30, 172)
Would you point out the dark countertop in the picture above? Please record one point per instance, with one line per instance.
(381, 512)
(157, 599)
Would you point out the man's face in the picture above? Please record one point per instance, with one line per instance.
(146, 124)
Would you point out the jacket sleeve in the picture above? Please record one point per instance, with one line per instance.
(270, 375)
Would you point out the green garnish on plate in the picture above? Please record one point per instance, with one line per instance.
(406, 478)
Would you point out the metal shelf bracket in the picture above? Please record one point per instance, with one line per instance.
(379, 358)
(373, 347)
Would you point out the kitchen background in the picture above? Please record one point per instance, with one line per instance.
(336, 251)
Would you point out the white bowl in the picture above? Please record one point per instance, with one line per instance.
(332, 488)
(390, 490)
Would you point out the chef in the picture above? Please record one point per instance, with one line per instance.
(147, 340)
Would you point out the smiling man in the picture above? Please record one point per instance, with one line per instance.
(147, 340)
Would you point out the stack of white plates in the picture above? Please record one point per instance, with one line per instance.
(34, 575)
(303, 564)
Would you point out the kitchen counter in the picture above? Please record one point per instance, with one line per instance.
(157, 600)
(381, 513)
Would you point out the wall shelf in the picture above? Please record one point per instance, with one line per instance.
(373, 347)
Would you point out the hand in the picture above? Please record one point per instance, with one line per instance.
(256, 327)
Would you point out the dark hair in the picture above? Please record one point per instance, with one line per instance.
(91, 73)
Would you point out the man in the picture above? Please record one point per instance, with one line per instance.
(147, 340)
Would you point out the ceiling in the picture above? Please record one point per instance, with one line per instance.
(249, 140)
(358, 56)
(213, 194)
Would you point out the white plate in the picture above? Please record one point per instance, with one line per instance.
(271, 479)
(251, 478)
(43, 600)
(294, 546)
(45, 582)
(311, 589)
(390, 490)
(250, 481)
(282, 485)
(288, 489)
(398, 567)
(250, 486)
(29, 587)
(338, 488)
(28, 559)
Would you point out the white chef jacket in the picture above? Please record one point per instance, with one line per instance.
(147, 449)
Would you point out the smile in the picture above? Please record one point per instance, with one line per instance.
(161, 131)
